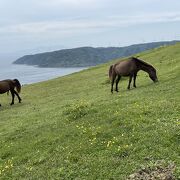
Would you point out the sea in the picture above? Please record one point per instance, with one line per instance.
(32, 74)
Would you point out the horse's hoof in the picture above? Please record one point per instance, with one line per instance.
(0, 104)
(11, 104)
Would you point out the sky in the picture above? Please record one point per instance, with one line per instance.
(29, 26)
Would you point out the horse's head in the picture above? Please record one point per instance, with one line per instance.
(152, 74)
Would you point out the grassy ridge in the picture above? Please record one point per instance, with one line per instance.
(73, 127)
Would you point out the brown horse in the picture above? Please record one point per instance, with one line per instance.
(10, 85)
(130, 68)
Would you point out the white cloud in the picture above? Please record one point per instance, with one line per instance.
(26, 23)
(78, 25)
(66, 3)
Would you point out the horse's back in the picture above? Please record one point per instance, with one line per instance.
(4, 87)
(125, 67)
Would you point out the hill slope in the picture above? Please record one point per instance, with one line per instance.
(73, 127)
(85, 56)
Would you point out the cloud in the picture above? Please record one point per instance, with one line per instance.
(81, 24)
(146, 18)
(60, 3)
(68, 2)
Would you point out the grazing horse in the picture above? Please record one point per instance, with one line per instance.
(130, 68)
(10, 85)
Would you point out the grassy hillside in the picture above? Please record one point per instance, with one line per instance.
(74, 128)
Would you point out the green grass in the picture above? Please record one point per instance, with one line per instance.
(73, 127)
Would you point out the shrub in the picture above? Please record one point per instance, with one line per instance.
(77, 109)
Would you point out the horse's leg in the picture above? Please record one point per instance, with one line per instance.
(117, 81)
(17, 96)
(134, 84)
(112, 82)
(12, 93)
(130, 79)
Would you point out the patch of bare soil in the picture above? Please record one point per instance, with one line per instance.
(158, 171)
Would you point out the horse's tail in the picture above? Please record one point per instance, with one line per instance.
(17, 85)
(110, 72)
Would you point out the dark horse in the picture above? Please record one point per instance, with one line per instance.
(130, 68)
(10, 85)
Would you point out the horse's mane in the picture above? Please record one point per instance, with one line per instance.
(142, 62)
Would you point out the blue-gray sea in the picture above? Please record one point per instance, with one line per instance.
(31, 74)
